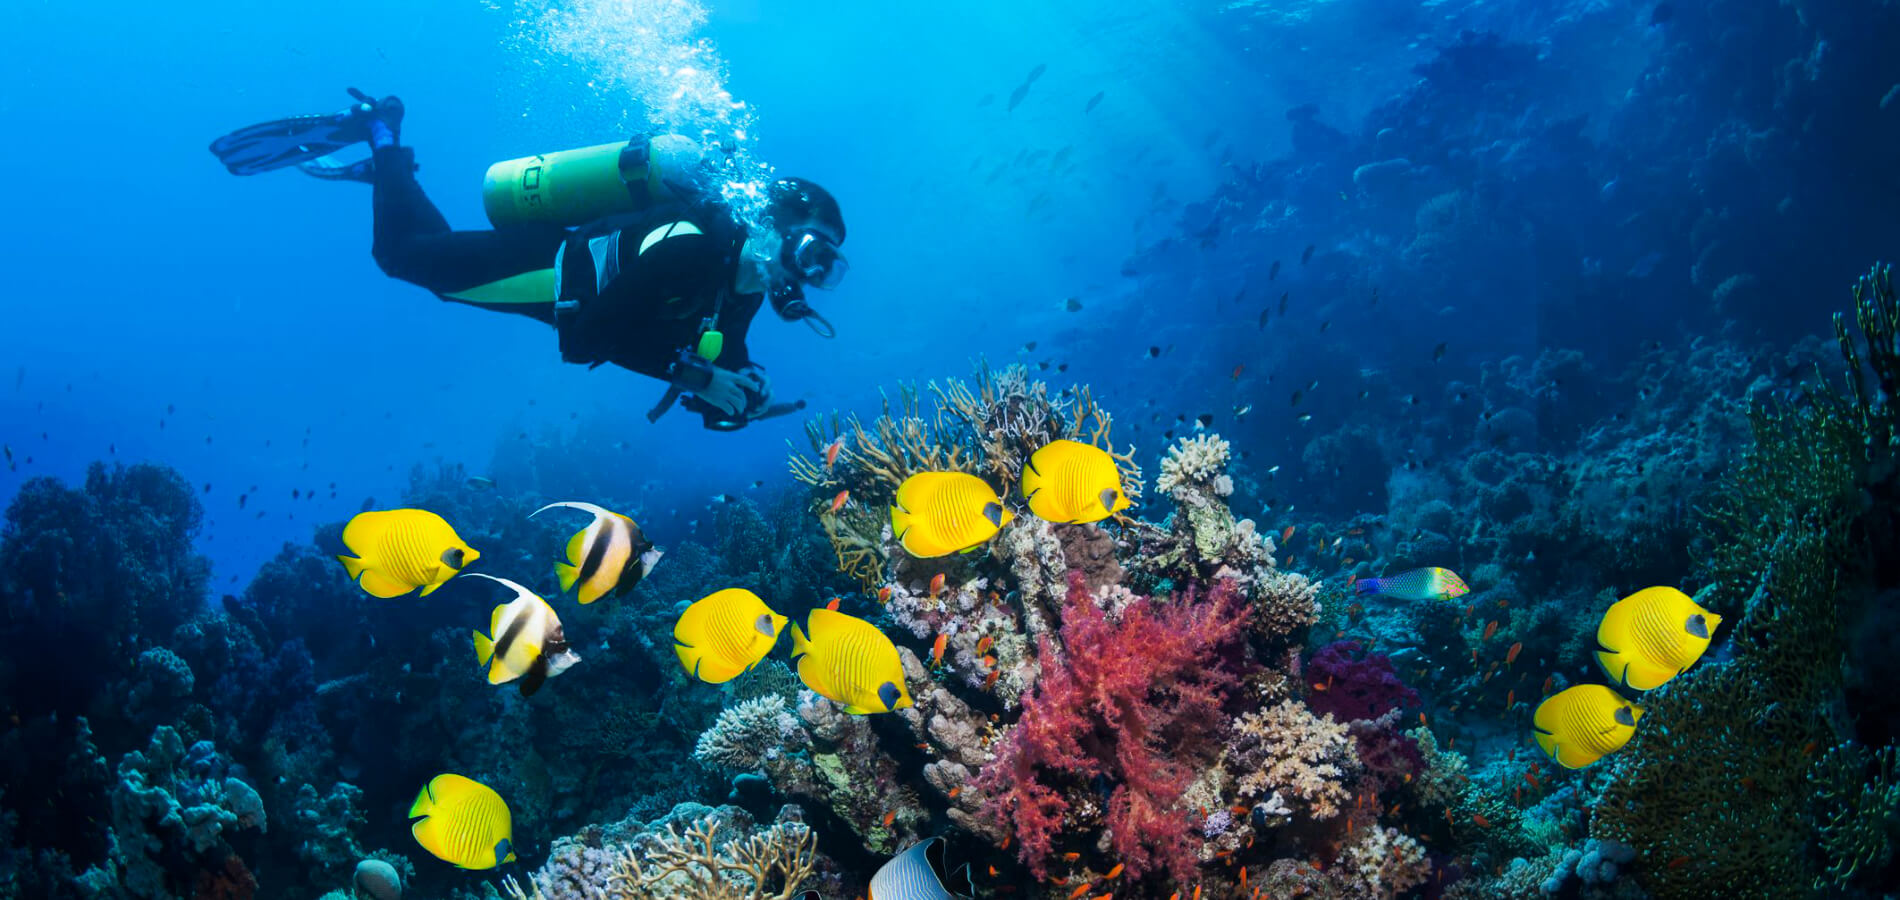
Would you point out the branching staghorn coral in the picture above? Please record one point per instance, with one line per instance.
(694, 865)
(747, 734)
(989, 430)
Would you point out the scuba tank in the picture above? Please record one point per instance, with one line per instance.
(573, 187)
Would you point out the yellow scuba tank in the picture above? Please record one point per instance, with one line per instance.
(574, 187)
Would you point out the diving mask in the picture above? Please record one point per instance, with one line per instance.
(814, 259)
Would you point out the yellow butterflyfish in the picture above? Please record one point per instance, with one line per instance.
(940, 513)
(396, 551)
(850, 661)
(1583, 724)
(724, 634)
(1069, 481)
(464, 822)
(1651, 636)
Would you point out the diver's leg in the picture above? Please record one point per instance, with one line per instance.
(508, 270)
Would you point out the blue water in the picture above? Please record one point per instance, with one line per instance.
(1376, 245)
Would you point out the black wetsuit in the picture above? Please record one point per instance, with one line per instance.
(635, 289)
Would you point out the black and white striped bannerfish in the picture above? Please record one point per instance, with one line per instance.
(610, 555)
(525, 640)
(920, 873)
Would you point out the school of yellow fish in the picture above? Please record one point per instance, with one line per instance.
(850, 661)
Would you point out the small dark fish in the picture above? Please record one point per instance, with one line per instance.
(1438, 352)
(1283, 302)
(1036, 73)
(1073, 304)
(112, 449)
(1296, 397)
(1325, 325)
(207, 487)
(1016, 97)
(1094, 101)
(294, 493)
(1274, 272)
(1029, 347)
(1062, 367)
(1307, 256)
(241, 499)
(1204, 420)
(1263, 317)
(1154, 352)
(478, 483)
(169, 409)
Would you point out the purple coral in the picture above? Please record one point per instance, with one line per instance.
(1357, 685)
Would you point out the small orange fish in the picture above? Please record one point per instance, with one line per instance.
(1108, 896)
(1421, 721)
(936, 649)
(1490, 629)
(1517, 796)
(1480, 820)
(1080, 889)
(1319, 687)
(1510, 656)
(1355, 531)
(1678, 862)
(1112, 873)
(1071, 856)
(890, 817)
(1237, 370)
(986, 661)
(1510, 698)
(1811, 747)
(1243, 876)
(984, 644)
(839, 501)
(831, 452)
(1005, 844)
(1351, 579)
(1533, 780)
(1448, 819)
(990, 681)
(1504, 604)
(954, 792)
(936, 584)
(992, 871)
(1349, 826)
(1197, 892)
(1474, 656)
(833, 605)
(884, 594)
(1286, 534)
(1549, 680)
(1408, 778)
(1468, 610)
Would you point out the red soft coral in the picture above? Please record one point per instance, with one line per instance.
(1137, 703)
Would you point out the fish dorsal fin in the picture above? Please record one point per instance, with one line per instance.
(494, 621)
(593, 509)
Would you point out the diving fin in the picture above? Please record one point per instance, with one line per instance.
(330, 168)
(268, 146)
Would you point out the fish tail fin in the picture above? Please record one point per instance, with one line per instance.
(353, 566)
(1368, 585)
(484, 648)
(566, 574)
(800, 645)
(425, 803)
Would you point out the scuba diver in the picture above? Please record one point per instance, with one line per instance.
(623, 248)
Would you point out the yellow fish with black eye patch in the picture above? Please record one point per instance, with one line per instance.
(609, 556)
(1651, 636)
(1583, 724)
(464, 822)
(1069, 481)
(724, 634)
(850, 661)
(525, 640)
(396, 551)
(940, 513)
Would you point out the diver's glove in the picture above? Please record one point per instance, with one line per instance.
(727, 391)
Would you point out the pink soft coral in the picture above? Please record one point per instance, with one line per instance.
(1136, 703)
